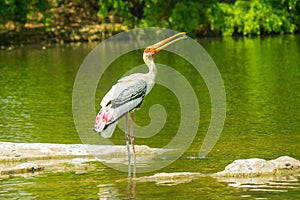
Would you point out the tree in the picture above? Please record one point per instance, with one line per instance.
(18, 11)
(255, 17)
(182, 15)
(226, 17)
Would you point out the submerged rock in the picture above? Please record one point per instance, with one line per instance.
(239, 173)
(12, 152)
(255, 167)
(23, 168)
(170, 178)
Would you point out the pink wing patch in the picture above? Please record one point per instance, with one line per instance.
(104, 117)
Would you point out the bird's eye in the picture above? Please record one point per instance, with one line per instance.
(148, 48)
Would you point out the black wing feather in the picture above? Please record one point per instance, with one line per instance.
(131, 93)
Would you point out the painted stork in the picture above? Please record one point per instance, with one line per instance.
(128, 94)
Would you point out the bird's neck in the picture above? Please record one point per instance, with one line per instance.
(152, 70)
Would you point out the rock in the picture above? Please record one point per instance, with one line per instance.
(26, 167)
(12, 152)
(255, 167)
(285, 162)
(250, 167)
(17, 158)
(170, 178)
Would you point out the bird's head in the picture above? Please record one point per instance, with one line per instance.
(151, 51)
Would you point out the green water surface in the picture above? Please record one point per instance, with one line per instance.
(262, 83)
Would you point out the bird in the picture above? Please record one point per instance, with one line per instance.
(127, 95)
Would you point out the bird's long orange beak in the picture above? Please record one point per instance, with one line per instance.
(166, 42)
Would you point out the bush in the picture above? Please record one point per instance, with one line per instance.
(175, 14)
(255, 17)
(20, 10)
(226, 17)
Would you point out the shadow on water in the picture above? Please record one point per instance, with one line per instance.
(262, 82)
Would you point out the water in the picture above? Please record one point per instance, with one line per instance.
(36, 88)
(262, 82)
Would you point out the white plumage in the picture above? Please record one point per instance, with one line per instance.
(128, 94)
(125, 96)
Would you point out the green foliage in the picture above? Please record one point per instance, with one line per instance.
(251, 17)
(186, 16)
(224, 17)
(19, 10)
(6, 10)
(156, 13)
(257, 16)
(183, 15)
(119, 10)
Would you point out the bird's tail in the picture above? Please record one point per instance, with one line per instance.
(104, 123)
(108, 131)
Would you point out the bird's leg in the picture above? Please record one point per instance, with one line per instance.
(127, 144)
(132, 142)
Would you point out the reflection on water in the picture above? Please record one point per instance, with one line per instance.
(267, 184)
(262, 82)
(35, 94)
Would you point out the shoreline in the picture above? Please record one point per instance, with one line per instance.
(46, 36)
(49, 36)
